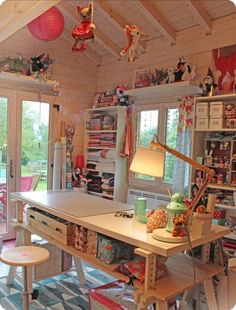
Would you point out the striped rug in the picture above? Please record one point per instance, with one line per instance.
(56, 293)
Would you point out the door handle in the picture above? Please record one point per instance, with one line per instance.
(11, 169)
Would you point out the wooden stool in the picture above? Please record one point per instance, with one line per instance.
(25, 256)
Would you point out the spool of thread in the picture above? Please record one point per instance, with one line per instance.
(80, 161)
(211, 203)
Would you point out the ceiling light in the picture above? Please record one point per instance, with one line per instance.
(1, 1)
(234, 2)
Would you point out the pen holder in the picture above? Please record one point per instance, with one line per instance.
(140, 209)
(201, 224)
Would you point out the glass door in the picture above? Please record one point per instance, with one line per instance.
(7, 161)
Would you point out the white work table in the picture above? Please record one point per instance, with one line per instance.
(99, 215)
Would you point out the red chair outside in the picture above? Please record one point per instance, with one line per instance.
(25, 186)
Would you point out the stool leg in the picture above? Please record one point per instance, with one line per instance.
(210, 295)
(80, 271)
(25, 291)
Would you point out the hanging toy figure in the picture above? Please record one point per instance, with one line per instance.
(84, 31)
(133, 35)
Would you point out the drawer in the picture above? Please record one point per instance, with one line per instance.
(53, 226)
(202, 123)
(216, 109)
(202, 109)
(216, 123)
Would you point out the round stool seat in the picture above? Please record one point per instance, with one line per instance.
(24, 256)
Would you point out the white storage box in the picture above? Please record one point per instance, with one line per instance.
(216, 109)
(216, 123)
(202, 109)
(202, 123)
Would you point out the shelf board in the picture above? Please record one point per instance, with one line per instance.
(217, 130)
(28, 82)
(101, 194)
(215, 167)
(100, 147)
(231, 236)
(182, 88)
(222, 186)
(99, 171)
(116, 107)
(100, 131)
(226, 97)
(223, 206)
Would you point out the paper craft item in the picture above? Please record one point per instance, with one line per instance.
(107, 249)
(156, 219)
(92, 242)
(80, 238)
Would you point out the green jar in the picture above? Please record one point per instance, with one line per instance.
(175, 207)
(140, 209)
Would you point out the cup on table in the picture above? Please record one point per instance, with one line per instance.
(140, 209)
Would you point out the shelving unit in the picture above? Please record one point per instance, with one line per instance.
(222, 143)
(104, 139)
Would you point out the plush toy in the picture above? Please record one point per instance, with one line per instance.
(133, 36)
(179, 222)
(84, 31)
(180, 68)
(39, 67)
(207, 86)
(122, 99)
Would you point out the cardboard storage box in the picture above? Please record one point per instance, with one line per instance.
(216, 123)
(202, 123)
(216, 109)
(202, 109)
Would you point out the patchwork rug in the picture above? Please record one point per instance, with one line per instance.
(56, 293)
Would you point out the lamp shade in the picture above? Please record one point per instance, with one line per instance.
(148, 161)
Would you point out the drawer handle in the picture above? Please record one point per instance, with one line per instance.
(31, 216)
(45, 223)
(58, 229)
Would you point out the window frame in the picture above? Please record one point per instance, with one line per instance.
(162, 119)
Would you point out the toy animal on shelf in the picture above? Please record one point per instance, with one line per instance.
(133, 36)
(179, 223)
(40, 66)
(85, 30)
(208, 86)
(122, 98)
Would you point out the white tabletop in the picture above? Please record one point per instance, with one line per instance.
(70, 203)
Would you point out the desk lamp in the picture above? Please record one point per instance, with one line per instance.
(150, 161)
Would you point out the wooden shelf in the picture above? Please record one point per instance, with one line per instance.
(215, 167)
(231, 236)
(222, 186)
(226, 97)
(100, 147)
(173, 89)
(216, 130)
(27, 83)
(100, 131)
(224, 206)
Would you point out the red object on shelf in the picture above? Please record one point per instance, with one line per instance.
(48, 26)
(80, 161)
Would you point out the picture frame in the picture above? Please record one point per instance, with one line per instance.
(141, 78)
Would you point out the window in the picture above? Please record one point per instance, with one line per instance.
(147, 127)
(172, 118)
(163, 122)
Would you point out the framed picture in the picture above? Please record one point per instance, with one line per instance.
(141, 78)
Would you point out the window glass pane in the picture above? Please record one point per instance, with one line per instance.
(171, 136)
(147, 127)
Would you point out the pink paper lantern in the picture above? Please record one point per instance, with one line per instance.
(48, 26)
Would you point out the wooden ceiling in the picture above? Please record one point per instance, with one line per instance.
(156, 18)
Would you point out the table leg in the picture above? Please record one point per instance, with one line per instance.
(25, 291)
(80, 271)
(162, 305)
(210, 295)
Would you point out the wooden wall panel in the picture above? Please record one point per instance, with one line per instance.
(75, 73)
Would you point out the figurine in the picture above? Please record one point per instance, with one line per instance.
(84, 31)
(179, 71)
(207, 86)
(39, 67)
(123, 99)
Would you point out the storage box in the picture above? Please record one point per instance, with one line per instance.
(113, 296)
(202, 109)
(216, 109)
(53, 226)
(202, 123)
(216, 123)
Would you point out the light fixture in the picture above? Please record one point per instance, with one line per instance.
(234, 2)
(150, 161)
(1, 1)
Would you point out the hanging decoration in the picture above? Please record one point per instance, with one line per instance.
(133, 36)
(85, 29)
(48, 26)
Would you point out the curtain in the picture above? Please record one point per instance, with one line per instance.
(183, 145)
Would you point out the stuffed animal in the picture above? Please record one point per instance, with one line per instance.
(39, 67)
(179, 222)
(122, 99)
(180, 68)
(15, 65)
(207, 86)
(133, 35)
(84, 31)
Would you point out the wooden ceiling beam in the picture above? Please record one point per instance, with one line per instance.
(114, 17)
(100, 37)
(200, 14)
(94, 57)
(157, 20)
(14, 15)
